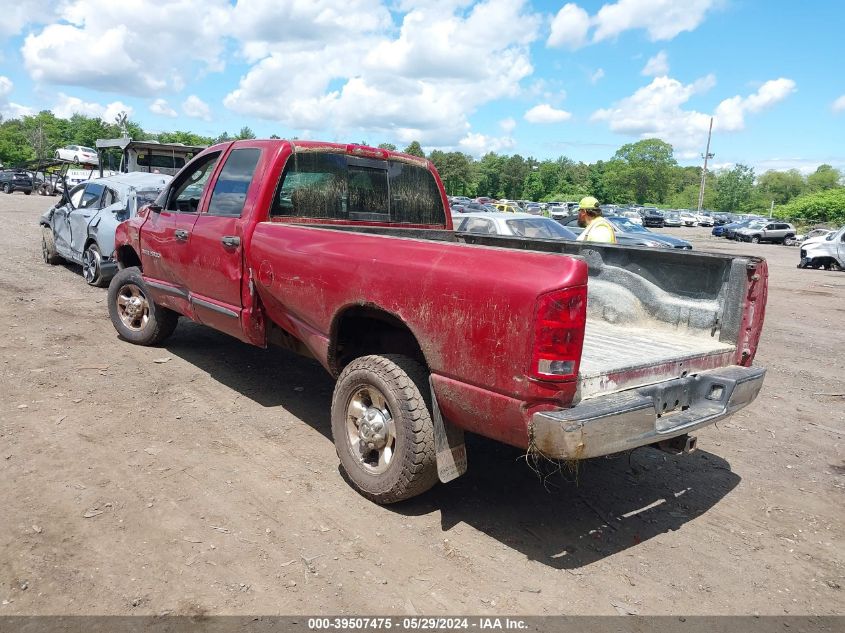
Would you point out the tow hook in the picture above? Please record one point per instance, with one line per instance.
(679, 445)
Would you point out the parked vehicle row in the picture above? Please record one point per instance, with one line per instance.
(755, 229)
(12, 180)
(824, 251)
(311, 247)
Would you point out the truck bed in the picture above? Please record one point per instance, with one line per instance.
(619, 357)
(653, 314)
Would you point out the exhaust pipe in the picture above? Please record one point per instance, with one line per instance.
(680, 445)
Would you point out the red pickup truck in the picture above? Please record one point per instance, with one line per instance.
(346, 253)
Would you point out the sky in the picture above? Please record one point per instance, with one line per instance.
(534, 77)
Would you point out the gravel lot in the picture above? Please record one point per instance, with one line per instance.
(200, 478)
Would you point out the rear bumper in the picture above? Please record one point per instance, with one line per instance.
(646, 415)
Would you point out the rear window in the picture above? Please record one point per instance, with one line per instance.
(161, 160)
(340, 187)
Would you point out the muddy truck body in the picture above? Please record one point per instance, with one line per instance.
(346, 253)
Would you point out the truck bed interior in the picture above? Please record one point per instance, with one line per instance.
(653, 314)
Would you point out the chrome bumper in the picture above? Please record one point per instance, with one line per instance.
(645, 415)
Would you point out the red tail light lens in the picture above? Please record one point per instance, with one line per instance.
(559, 334)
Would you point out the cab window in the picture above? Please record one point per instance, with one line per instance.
(92, 196)
(186, 192)
(233, 183)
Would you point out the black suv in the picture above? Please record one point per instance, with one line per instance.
(652, 216)
(13, 180)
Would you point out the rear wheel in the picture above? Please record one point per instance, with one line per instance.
(135, 316)
(382, 427)
(789, 240)
(91, 266)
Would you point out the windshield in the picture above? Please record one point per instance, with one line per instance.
(756, 225)
(539, 227)
(626, 226)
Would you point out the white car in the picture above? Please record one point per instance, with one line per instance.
(704, 220)
(826, 252)
(513, 224)
(78, 154)
(633, 216)
(688, 219)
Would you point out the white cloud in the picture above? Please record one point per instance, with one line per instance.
(656, 110)
(161, 108)
(478, 144)
(597, 76)
(662, 19)
(656, 66)
(196, 108)
(8, 109)
(19, 13)
(839, 104)
(730, 113)
(508, 125)
(67, 106)
(127, 47)
(418, 82)
(569, 27)
(544, 113)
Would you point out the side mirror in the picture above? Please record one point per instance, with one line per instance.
(155, 208)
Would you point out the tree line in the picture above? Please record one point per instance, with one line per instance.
(644, 172)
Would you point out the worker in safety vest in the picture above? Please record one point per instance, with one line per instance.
(596, 228)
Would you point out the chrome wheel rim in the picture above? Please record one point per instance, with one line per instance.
(133, 307)
(90, 265)
(370, 429)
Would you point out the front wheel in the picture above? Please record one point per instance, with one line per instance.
(91, 266)
(382, 427)
(7, 188)
(755, 239)
(48, 247)
(135, 316)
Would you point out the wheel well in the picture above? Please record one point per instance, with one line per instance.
(364, 330)
(88, 243)
(127, 257)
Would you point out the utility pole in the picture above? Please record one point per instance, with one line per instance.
(772, 209)
(706, 156)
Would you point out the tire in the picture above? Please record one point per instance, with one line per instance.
(7, 188)
(91, 269)
(26, 193)
(136, 317)
(755, 239)
(375, 385)
(76, 159)
(48, 247)
(789, 240)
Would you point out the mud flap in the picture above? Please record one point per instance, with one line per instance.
(448, 444)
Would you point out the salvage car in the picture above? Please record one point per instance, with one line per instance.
(12, 180)
(78, 154)
(346, 254)
(767, 231)
(826, 252)
(519, 224)
(630, 234)
(80, 228)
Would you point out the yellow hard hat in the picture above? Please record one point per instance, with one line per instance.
(588, 203)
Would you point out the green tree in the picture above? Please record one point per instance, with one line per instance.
(825, 177)
(781, 186)
(414, 149)
(734, 188)
(388, 146)
(489, 176)
(648, 170)
(245, 133)
(826, 206)
(513, 176)
(455, 171)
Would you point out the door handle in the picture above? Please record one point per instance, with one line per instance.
(181, 235)
(230, 241)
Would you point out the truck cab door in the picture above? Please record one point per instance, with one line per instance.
(80, 217)
(167, 251)
(216, 278)
(840, 245)
(61, 221)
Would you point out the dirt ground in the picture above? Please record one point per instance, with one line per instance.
(200, 478)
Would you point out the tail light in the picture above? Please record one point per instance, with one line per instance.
(559, 334)
(367, 152)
